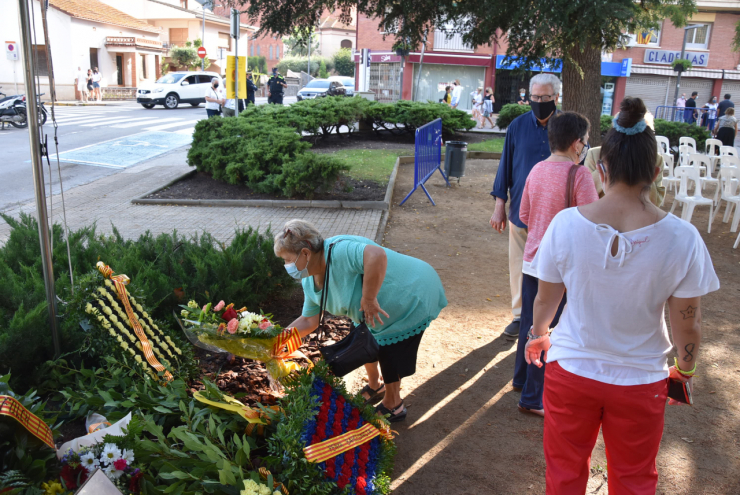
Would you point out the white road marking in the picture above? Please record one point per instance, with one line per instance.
(189, 130)
(117, 120)
(169, 126)
(146, 122)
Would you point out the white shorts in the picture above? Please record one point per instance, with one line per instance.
(455, 100)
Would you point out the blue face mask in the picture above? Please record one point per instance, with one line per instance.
(294, 272)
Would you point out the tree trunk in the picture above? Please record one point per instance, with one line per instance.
(582, 94)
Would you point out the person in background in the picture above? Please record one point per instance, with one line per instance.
(522, 100)
(545, 195)
(691, 108)
(447, 98)
(456, 93)
(724, 105)
(89, 85)
(81, 83)
(711, 113)
(726, 129)
(214, 98)
(488, 101)
(97, 77)
(478, 107)
(251, 88)
(681, 110)
(275, 86)
(526, 144)
(621, 261)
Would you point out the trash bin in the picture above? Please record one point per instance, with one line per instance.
(455, 155)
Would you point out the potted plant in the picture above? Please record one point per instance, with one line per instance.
(681, 65)
(402, 48)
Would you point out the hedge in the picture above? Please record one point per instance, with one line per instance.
(509, 112)
(676, 130)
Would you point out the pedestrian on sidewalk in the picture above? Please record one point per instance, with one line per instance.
(214, 98)
(621, 260)
(488, 101)
(456, 93)
(724, 105)
(712, 107)
(89, 85)
(395, 295)
(690, 112)
(96, 78)
(557, 183)
(726, 130)
(681, 110)
(525, 145)
(251, 88)
(477, 106)
(81, 83)
(447, 98)
(522, 100)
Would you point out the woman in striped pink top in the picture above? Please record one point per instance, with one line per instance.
(545, 195)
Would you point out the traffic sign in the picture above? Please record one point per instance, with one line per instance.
(11, 50)
(202, 52)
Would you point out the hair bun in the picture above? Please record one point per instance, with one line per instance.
(632, 110)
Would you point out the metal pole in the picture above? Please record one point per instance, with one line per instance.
(203, 40)
(421, 64)
(678, 78)
(38, 171)
(309, 53)
(236, 63)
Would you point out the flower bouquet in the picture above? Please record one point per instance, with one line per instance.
(116, 463)
(221, 328)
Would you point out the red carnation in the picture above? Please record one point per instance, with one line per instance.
(120, 464)
(73, 477)
(229, 314)
(133, 485)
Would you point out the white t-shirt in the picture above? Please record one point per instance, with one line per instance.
(97, 77)
(613, 328)
(216, 94)
(456, 91)
(81, 80)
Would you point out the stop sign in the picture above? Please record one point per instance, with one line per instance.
(202, 52)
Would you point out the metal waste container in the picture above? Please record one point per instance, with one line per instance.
(455, 155)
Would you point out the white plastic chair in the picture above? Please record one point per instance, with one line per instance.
(729, 179)
(712, 151)
(687, 141)
(727, 150)
(670, 181)
(664, 146)
(689, 202)
(702, 164)
(683, 154)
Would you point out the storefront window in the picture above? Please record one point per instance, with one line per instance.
(608, 106)
(434, 78)
(698, 38)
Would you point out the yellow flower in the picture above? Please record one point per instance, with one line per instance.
(265, 490)
(107, 310)
(102, 290)
(192, 304)
(112, 333)
(88, 308)
(138, 359)
(52, 488)
(113, 318)
(119, 339)
(138, 345)
(124, 345)
(145, 315)
(120, 326)
(131, 351)
(178, 351)
(138, 307)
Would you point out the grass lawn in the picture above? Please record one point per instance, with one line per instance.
(377, 165)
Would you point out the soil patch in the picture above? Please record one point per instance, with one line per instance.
(202, 185)
(462, 410)
(383, 141)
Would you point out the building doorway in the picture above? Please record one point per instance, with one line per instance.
(93, 58)
(119, 69)
(507, 87)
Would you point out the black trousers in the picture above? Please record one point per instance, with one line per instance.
(276, 99)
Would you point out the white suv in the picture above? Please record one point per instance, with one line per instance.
(175, 88)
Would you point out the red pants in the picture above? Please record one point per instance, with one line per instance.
(631, 419)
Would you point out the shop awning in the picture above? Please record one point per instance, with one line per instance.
(616, 69)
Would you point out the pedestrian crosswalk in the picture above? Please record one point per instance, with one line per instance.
(128, 117)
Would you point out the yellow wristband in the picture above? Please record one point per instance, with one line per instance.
(684, 373)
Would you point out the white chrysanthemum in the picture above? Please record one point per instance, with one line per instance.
(192, 304)
(89, 461)
(138, 359)
(250, 488)
(128, 455)
(112, 473)
(265, 490)
(111, 453)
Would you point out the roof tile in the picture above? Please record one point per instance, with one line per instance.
(94, 10)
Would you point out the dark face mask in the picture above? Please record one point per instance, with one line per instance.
(542, 110)
(215, 85)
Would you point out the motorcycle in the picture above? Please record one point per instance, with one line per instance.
(13, 111)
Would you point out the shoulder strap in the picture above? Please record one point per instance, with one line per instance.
(325, 289)
(570, 199)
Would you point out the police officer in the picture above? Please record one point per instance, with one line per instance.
(275, 86)
(251, 88)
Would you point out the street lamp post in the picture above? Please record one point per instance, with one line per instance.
(683, 54)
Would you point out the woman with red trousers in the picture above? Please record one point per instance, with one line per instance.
(621, 259)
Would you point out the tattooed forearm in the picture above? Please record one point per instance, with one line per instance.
(689, 348)
(689, 312)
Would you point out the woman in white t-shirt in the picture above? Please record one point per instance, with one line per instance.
(214, 98)
(621, 260)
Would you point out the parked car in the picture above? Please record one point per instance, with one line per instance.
(321, 87)
(176, 87)
(347, 82)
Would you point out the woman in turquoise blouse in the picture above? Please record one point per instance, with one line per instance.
(396, 295)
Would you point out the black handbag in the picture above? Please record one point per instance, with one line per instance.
(356, 349)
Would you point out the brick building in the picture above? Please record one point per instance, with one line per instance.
(269, 46)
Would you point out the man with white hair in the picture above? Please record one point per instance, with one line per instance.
(526, 144)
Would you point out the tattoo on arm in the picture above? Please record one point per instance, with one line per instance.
(689, 348)
(689, 312)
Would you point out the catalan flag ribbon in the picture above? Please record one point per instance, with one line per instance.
(643, 38)
(120, 282)
(286, 347)
(322, 451)
(9, 406)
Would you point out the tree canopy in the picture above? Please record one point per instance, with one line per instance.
(298, 41)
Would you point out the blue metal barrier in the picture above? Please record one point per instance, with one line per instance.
(680, 114)
(427, 156)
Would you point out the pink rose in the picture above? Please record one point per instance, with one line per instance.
(205, 308)
(233, 326)
(265, 324)
(120, 464)
(219, 306)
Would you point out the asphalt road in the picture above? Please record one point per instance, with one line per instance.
(94, 142)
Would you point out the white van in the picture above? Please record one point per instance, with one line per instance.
(176, 87)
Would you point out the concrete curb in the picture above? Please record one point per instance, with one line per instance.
(274, 203)
(74, 104)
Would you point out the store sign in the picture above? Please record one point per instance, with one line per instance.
(666, 57)
(385, 58)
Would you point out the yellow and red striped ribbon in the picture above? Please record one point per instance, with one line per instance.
(9, 406)
(320, 452)
(286, 347)
(120, 282)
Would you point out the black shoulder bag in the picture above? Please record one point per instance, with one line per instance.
(356, 349)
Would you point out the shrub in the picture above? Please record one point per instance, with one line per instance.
(297, 64)
(184, 56)
(344, 63)
(164, 269)
(322, 70)
(605, 123)
(407, 116)
(676, 130)
(509, 112)
(302, 175)
(257, 63)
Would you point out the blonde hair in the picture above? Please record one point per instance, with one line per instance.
(296, 235)
(489, 89)
(730, 111)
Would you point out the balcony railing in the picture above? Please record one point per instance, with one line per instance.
(133, 41)
(452, 42)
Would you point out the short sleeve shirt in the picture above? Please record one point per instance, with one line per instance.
(613, 328)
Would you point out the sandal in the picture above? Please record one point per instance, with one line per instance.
(393, 418)
(375, 395)
(535, 412)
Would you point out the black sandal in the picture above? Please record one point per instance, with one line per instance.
(375, 394)
(393, 418)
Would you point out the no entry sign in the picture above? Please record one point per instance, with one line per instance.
(202, 52)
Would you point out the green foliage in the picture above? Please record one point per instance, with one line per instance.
(184, 56)
(681, 64)
(322, 70)
(676, 130)
(509, 112)
(605, 123)
(20, 451)
(407, 116)
(344, 63)
(164, 270)
(495, 145)
(298, 64)
(257, 63)
(736, 38)
(165, 68)
(297, 44)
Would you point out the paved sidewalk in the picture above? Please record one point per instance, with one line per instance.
(107, 202)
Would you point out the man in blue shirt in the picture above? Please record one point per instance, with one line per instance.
(526, 144)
